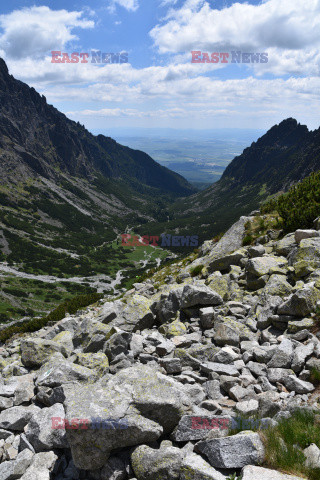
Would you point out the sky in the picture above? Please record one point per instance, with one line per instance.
(159, 86)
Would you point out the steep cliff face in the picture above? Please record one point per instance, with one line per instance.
(38, 139)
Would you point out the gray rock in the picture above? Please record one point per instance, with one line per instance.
(302, 234)
(207, 317)
(231, 240)
(56, 373)
(212, 389)
(15, 469)
(312, 455)
(251, 472)
(4, 434)
(226, 355)
(162, 464)
(36, 351)
(299, 386)
(256, 251)
(147, 403)
(285, 245)
(16, 418)
(301, 355)
(41, 467)
(171, 365)
(220, 369)
(6, 402)
(227, 382)
(269, 405)
(276, 375)
(257, 369)
(223, 263)
(233, 452)
(199, 295)
(265, 265)
(41, 431)
(195, 427)
(24, 388)
(167, 307)
(302, 302)
(118, 343)
(194, 467)
(248, 407)
(280, 359)
(108, 312)
(239, 393)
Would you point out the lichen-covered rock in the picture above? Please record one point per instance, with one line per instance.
(65, 338)
(295, 326)
(306, 258)
(91, 335)
(136, 315)
(265, 265)
(195, 467)
(230, 332)
(278, 285)
(173, 329)
(285, 245)
(146, 401)
(95, 361)
(55, 373)
(219, 283)
(36, 351)
(151, 464)
(302, 302)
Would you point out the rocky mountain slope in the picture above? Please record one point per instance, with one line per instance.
(286, 154)
(156, 384)
(65, 194)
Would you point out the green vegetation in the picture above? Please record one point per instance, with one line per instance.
(68, 306)
(233, 476)
(286, 442)
(196, 270)
(21, 297)
(259, 227)
(315, 377)
(299, 207)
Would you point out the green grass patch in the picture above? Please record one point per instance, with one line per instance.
(286, 442)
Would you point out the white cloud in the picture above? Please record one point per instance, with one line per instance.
(288, 30)
(289, 24)
(36, 30)
(130, 5)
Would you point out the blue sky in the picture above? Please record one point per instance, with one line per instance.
(159, 86)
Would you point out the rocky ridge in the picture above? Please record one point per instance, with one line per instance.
(149, 385)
